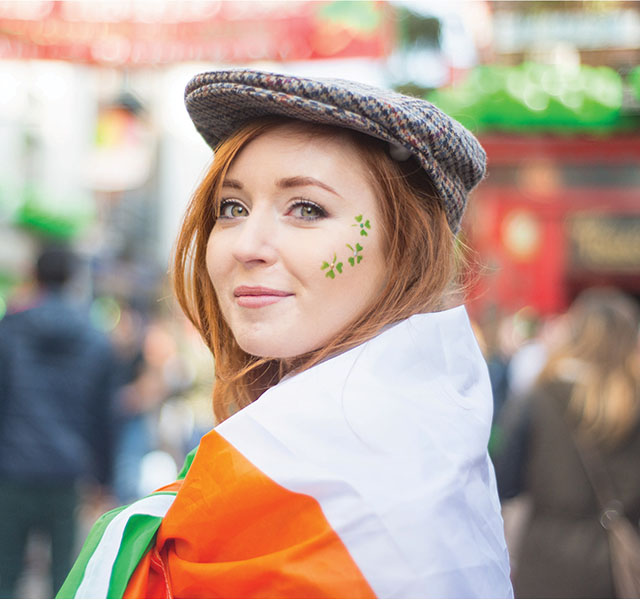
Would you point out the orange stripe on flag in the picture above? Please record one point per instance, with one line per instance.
(234, 533)
(146, 581)
(171, 487)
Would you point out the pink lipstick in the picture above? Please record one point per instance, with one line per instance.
(257, 297)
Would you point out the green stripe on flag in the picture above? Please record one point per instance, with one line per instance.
(138, 536)
(187, 463)
(74, 579)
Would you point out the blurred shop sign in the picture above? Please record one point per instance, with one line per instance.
(122, 155)
(611, 27)
(605, 243)
(137, 32)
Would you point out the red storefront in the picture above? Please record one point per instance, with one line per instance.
(138, 34)
(555, 215)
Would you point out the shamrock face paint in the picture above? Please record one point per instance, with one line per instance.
(364, 225)
(356, 249)
(331, 266)
(356, 258)
(279, 253)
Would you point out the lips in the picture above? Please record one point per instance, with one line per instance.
(258, 296)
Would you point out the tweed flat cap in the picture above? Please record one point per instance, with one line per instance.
(219, 102)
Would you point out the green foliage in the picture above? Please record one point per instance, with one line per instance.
(50, 217)
(634, 81)
(533, 96)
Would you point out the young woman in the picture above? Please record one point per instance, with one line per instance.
(317, 259)
(587, 394)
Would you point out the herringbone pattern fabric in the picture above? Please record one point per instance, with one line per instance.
(220, 101)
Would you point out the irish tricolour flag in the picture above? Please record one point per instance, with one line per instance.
(365, 476)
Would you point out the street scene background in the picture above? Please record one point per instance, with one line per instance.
(97, 153)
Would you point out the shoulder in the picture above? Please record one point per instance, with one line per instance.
(550, 396)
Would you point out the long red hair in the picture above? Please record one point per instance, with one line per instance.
(422, 262)
(602, 348)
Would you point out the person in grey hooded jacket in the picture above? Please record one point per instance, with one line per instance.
(56, 385)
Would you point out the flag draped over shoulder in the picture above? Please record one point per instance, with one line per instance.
(117, 542)
(366, 475)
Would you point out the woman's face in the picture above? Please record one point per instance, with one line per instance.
(298, 251)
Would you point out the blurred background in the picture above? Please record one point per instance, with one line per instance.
(97, 152)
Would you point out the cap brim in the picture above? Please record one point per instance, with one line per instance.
(219, 102)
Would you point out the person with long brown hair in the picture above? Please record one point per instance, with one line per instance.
(318, 261)
(586, 402)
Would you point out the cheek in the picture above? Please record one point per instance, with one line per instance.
(215, 261)
(351, 286)
(310, 257)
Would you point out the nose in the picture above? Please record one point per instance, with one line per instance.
(254, 243)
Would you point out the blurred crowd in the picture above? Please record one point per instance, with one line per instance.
(101, 401)
(566, 440)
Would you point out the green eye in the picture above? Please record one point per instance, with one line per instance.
(308, 211)
(230, 209)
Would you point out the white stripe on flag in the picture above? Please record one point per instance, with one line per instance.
(391, 439)
(97, 576)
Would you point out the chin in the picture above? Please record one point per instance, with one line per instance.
(270, 352)
(260, 348)
(266, 348)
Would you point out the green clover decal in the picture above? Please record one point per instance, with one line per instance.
(331, 266)
(364, 225)
(357, 257)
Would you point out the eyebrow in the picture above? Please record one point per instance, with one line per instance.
(232, 183)
(288, 182)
